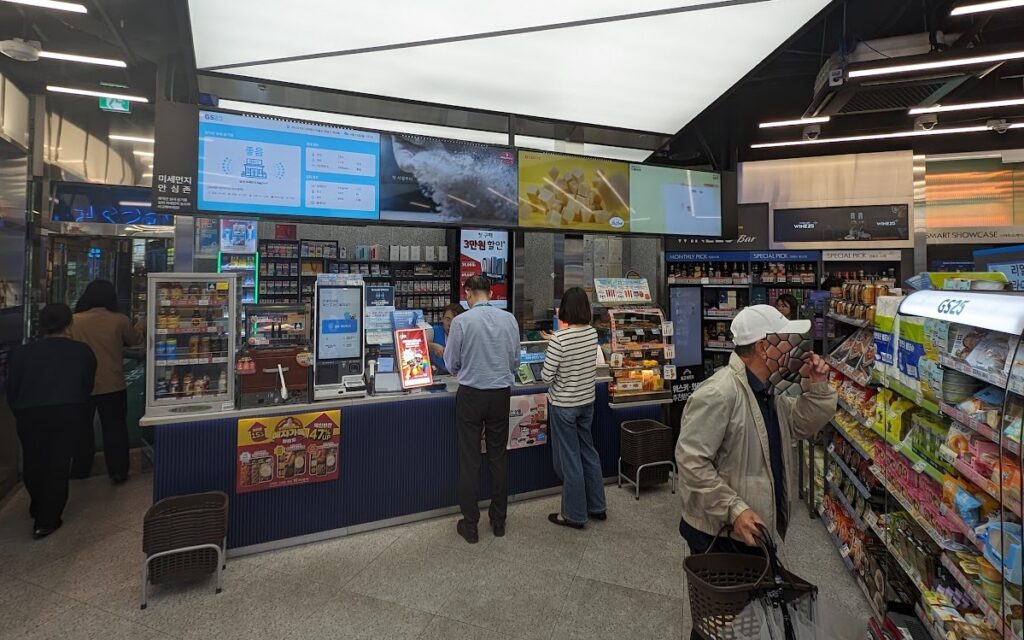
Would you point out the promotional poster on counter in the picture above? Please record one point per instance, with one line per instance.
(444, 181)
(485, 253)
(380, 304)
(573, 193)
(527, 422)
(413, 358)
(283, 451)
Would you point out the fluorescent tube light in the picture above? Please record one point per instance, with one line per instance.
(881, 136)
(986, 6)
(53, 4)
(937, 64)
(938, 108)
(70, 57)
(131, 138)
(135, 203)
(793, 123)
(95, 94)
(148, 154)
(147, 175)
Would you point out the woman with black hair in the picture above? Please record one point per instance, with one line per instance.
(99, 325)
(787, 305)
(48, 389)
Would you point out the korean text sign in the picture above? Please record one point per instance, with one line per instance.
(283, 451)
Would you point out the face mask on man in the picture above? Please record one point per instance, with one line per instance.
(787, 355)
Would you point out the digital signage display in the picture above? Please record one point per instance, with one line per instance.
(260, 165)
(339, 323)
(484, 252)
(85, 203)
(872, 223)
(573, 193)
(665, 200)
(446, 182)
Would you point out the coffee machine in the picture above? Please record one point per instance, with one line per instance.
(273, 366)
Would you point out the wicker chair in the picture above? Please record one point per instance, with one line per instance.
(645, 446)
(184, 538)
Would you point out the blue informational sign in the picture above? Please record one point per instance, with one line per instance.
(785, 256)
(255, 165)
(707, 256)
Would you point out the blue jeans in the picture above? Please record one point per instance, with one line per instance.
(576, 461)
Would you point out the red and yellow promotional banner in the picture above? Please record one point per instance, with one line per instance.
(282, 451)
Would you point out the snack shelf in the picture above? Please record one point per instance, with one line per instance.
(719, 345)
(191, 361)
(914, 513)
(848, 371)
(845, 468)
(844, 551)
(991, 377)
(914, 396)
(188, 331)
(921, 464)
(974, 594)
(932, 631)
(864, 421)
(724, 286)
(719, 318)
(847, 507)
(961, 526)
(856, 445)
(847, 319)
(201, 302)
(987, 485)
(979, 427)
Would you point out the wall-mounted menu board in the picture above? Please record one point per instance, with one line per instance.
(260, 165)
(428, 180)
(573, 193)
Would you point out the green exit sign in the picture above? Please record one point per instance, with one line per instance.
(115, 104)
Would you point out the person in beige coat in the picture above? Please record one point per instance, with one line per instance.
(734, 447)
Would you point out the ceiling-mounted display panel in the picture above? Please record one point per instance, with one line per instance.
(647, 74)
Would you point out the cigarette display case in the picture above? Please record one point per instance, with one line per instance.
(191, 337)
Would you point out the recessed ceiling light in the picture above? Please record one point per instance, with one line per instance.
(880, 136)
(70, 57)
(134, 203)
(53, 4)
(148, 154)
(936, 64)
(942, 108)
(96, 94)
(147, 175)
(130, 138)
(793, 123)
(986, 6)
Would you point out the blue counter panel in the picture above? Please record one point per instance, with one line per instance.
(396, 459)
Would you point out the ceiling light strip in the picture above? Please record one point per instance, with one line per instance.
(937, 64)
(986, 6)
(130, 138)
(880, 136)
(794, 123)
(95, 94)
(71, 57)
(938, 108)
(134, 203)
(148, 154)
(52, 4)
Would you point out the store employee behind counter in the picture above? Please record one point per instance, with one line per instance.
(482, 351)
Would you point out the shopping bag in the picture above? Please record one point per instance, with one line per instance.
(809, 618)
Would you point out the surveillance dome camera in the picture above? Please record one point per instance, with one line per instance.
(999, 126)
(811, 132)
(926, 122)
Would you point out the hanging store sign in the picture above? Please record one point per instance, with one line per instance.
(175, 183)
(622, 290)
(283, 451)
(874, 223)
(862, 255)
(975, 235)
(784, 256)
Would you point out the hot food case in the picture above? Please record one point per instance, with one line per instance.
(274, 364)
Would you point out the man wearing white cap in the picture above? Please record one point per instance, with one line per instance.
(734, 446)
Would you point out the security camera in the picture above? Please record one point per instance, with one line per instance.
(811, 132)
(999, 126)
(926, 122)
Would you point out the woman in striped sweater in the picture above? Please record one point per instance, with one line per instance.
(570, 368)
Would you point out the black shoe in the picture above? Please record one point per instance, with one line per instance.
(599, 516)
(119, 479)
(468, 531)
(41, 532)
(556, 518)
(498, 528)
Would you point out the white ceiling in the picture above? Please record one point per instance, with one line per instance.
(652, 73)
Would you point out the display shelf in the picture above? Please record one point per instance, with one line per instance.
(202, 302)
(184, 331)
(844, 551)
(914, 513)
(975, 595)
(979, 427)
(848, 563)
(921, 464)
(965, 530)
(720, 318)
(719, 345)
(934, 633)
(847, 507)
(717, 350)
(864, 421)
(992, 377)
(914, 396)
(848, 371)
(191, 361)
(862, 489)
(985, 484)
(850, 439)
(847, 319)
(725, 286)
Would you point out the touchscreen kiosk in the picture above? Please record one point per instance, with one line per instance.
(338, 365)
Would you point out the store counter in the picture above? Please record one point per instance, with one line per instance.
(397, 463)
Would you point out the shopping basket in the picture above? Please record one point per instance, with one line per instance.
(721, 586)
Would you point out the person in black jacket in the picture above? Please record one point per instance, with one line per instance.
(48, 388)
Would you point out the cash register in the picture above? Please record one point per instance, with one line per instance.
(273, 365)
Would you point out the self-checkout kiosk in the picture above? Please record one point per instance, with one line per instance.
(338, 365)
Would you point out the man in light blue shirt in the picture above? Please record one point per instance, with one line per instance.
(482, 351)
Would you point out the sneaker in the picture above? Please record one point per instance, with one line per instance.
(468, 531)
(41, 532)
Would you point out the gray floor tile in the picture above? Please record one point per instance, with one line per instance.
(598, 610)
(442, 628)
(441, 531)
(415, 574)
(517, 599)
(636, 562)
(27, 605)
(99, 565)
(331, 563)
(350, 616)
(530, 538)
(85, 622)
(655, 515)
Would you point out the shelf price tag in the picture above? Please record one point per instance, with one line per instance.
(871, 519)
(670, 351)
(920, 466)
(844, 551)
(667, 329)
(669, 372)
(831, 526)
(829, 475)
(832, 447)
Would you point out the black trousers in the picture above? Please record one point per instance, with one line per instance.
(482, 411)
(46, 435)
(113, 410)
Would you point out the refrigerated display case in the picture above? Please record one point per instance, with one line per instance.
(192, 333)
(246, 265)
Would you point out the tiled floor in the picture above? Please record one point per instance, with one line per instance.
(618, 579)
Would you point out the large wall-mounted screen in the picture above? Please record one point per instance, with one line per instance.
(672, 201)
(573, 193)
(259, 165)
(88, 203)
(433, 181)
